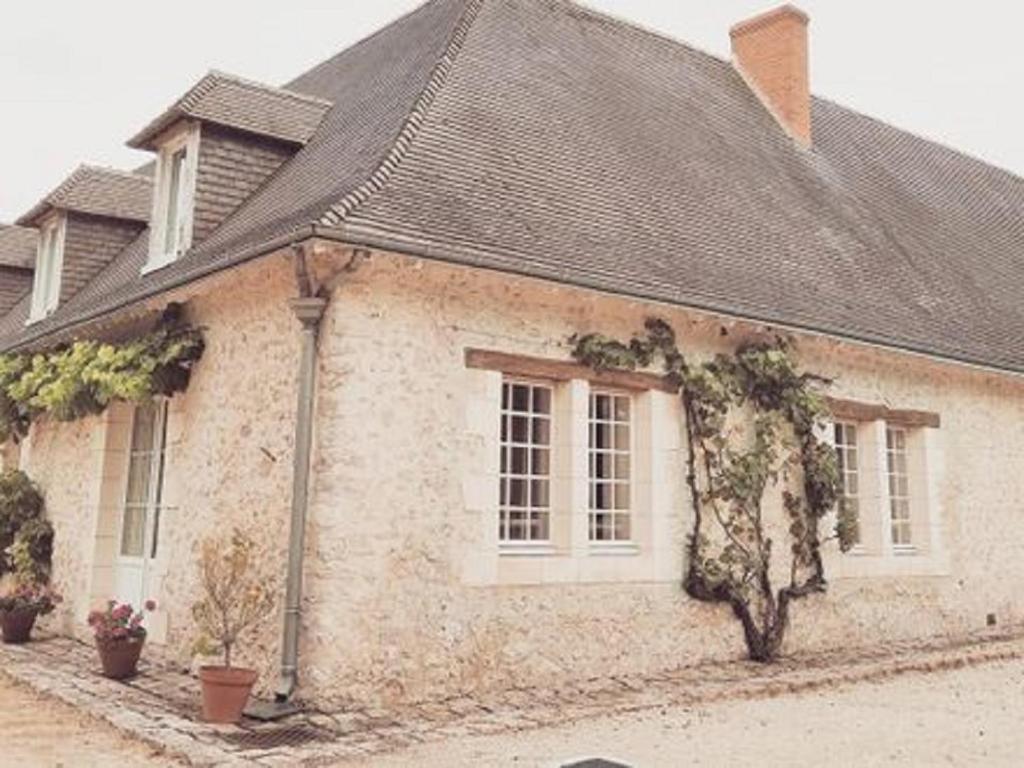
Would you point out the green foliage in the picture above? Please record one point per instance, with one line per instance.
(752, 423)
(32, 551)
(21, 504)
(83, 378)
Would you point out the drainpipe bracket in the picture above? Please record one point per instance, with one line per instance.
(309, 310)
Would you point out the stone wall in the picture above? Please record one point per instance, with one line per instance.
(395, 527)
(406, 596)
(228, 463)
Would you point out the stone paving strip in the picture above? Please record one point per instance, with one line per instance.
(160, 707)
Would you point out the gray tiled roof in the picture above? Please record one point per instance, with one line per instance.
(231, 101)
(539, 138)
(98, 191)
(17, 246)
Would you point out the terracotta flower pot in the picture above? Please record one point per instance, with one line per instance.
(120, 658)
(225, 692)
(17, 625)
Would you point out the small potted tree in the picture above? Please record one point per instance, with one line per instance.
(236, 597)
(20, 603)
(119, 638)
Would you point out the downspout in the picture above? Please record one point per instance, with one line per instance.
(309, 310)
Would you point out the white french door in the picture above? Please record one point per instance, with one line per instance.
(139, 539)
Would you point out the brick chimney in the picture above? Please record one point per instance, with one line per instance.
(770, 52)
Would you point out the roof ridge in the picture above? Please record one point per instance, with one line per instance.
(115, 171)
(257, 85)
(634, 27)
(348, 204)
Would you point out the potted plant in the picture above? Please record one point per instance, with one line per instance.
(19, 607)
(119, 637)
(236, 597)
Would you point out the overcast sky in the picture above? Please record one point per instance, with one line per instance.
(76, 82)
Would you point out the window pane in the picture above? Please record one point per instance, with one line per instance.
(520, 429)
(521, 398)
(621, 496)
(519, 465)
(517, 493)
(622, 466)
(851, 485)
(539, 528)
(539, 494)
(541, 400)
(541, 461)
(622, 409)
(602, 407)
(541, 431)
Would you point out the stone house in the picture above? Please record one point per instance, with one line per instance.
(438, 209)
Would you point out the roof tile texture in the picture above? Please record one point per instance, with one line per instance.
(565, 145)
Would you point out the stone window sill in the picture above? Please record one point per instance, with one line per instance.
(614, 549)
(526, 549)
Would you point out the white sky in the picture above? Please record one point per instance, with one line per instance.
(76, 81)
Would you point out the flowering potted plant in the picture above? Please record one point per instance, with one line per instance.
(19, 606)
(236, 598)
(119, 637)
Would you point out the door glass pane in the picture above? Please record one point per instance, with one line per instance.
(133, 531)
(158, 497)
(138, 478)
(140, 467)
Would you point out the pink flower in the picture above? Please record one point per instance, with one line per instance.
(119, 632)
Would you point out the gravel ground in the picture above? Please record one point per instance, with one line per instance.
(966, 717)
(40, 731)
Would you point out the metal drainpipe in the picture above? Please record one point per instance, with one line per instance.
(309, 310)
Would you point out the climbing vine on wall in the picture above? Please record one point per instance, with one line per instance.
(84, 377)
(752, 425)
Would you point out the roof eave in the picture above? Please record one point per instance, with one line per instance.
(35, 215)
(146, 138)
(269, 246)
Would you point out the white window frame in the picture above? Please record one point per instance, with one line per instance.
(160, 255)
(614, 512)
(49, 266)
(900, 512)
(506, 476)
(846, 471)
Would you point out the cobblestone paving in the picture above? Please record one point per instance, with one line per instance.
(160, 706)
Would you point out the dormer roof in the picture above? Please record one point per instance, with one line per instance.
(98, 191)
(17, 246)
(242, 104)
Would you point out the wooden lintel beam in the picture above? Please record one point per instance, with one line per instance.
(561, 370)
(856, 411)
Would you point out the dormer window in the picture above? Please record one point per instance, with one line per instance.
(49, 261)
(173, 202)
